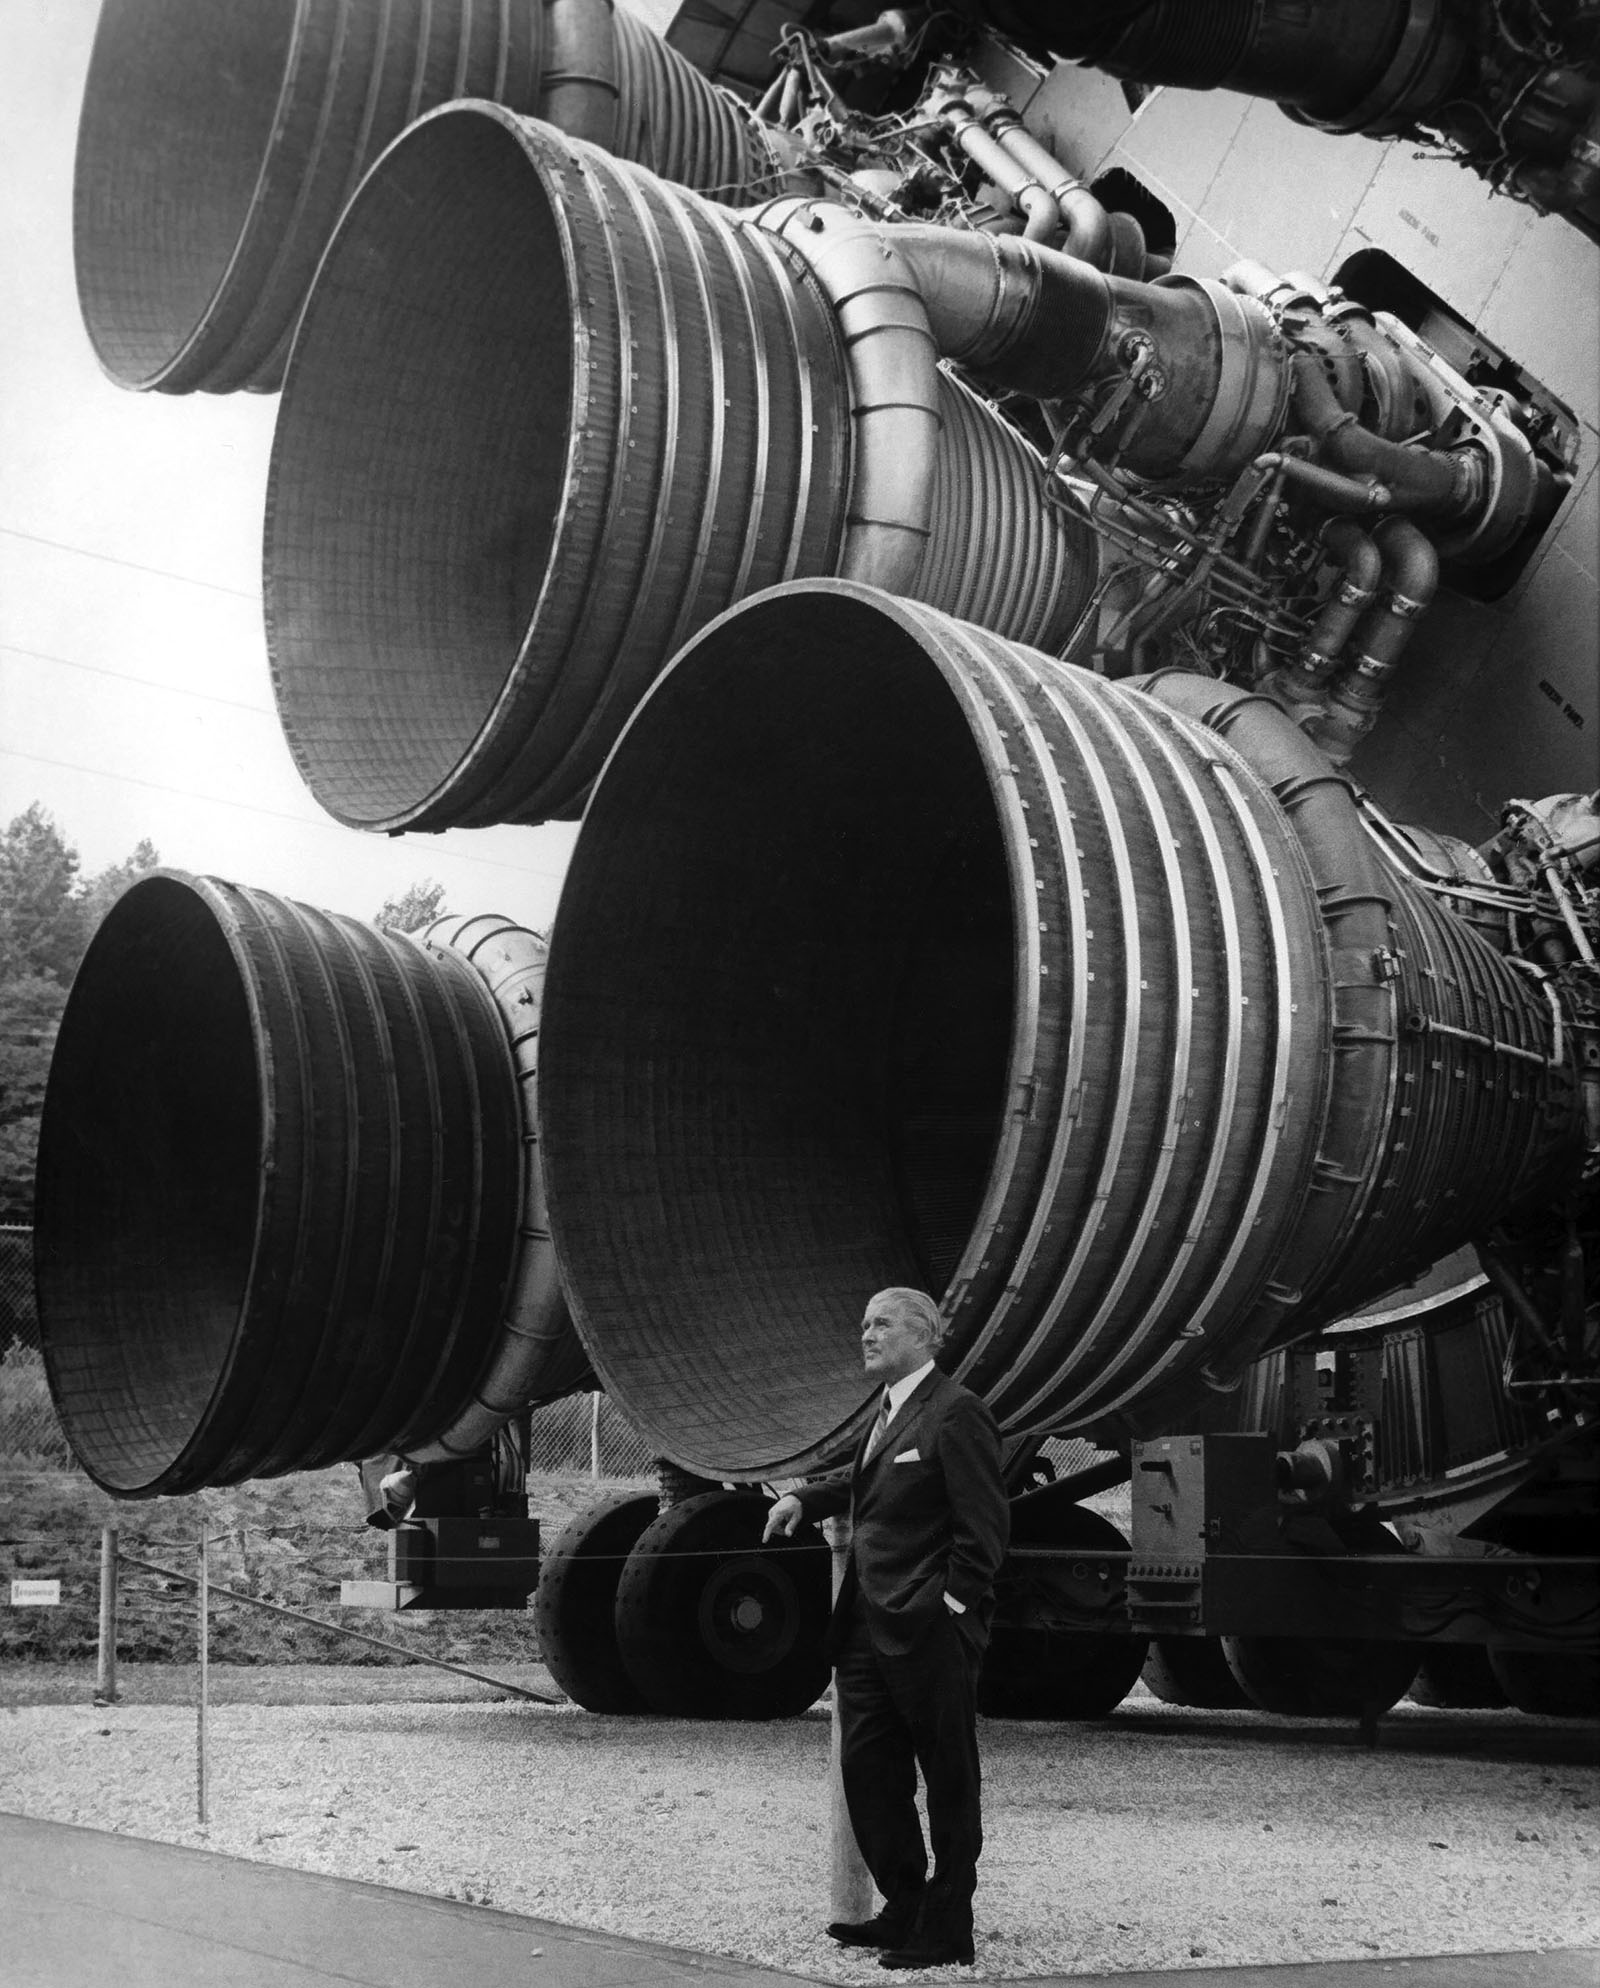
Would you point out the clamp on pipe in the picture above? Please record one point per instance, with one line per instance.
(1087, 223)
(1032, 199)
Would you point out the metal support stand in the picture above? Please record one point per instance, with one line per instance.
(105, 1670)
(203, 1682)
(850, 1882)
(594, 1436)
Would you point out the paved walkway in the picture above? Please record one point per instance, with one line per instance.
(85, 1908)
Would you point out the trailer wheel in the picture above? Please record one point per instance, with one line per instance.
(712, 1625)
(574, 1605)
(1192, 1670)
(1321, 1678)
(1551, 1684)
(1457, 1677)
(1033, 1670)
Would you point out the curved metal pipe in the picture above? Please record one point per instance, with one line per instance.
(218, 145)
(1001, 979)
(1303, 679)
(1411, 575)
(1088, 226)
(1034, 321)
(539, 1356)
(1032, 198)
(1433, 483)
(639, 409)
(580, 91)
(280, 1175)
(894, 385)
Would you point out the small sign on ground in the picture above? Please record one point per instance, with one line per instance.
(35, 1594)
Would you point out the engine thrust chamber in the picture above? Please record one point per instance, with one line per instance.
(547, 416)
(283, 1211)
(1000, 979)
(218, 144)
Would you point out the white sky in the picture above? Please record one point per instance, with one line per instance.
(134, 694)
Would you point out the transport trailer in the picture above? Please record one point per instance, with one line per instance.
(1053, 551)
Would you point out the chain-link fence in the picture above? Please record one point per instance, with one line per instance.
(585, 1435)
(30, 1435)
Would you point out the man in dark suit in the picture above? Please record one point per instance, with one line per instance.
(929, 1526)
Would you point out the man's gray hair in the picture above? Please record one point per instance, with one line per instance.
(907, 1307)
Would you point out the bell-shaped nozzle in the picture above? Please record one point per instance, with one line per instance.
(217, 145)
(547, 416)
(999, 979)
(284, 1213)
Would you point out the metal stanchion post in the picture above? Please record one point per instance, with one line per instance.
(105, 1673)
(594, 1435)
(850, 1882)
(204, 1681)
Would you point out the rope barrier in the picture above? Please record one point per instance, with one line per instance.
(339, 1629)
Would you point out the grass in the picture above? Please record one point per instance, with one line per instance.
(290, 1540)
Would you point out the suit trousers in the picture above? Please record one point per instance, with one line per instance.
(896, 1714)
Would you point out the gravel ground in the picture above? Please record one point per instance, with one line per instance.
(1462, 1832)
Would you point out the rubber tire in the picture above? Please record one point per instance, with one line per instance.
(1550, 1684)
(1301, 1677)
(1457, 1677)
(574, 1605)
(1032, 1672)
(736, 1635)
(1192, 1670)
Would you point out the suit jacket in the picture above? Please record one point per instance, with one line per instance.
(929, 1517)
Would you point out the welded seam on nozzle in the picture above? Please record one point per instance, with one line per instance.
(1067, 715)
(458, 1346)
(379, 1425)
(373, 1338)
(949, 647)
(318, 934)
(1076, 951)
(752, 339)
(1131, 1334)
(526, 695)
(290, 237)
(1077, 714)
(262, 957)
(1271, 1118)
(787, 264)
(1219, 878)
(666, 492)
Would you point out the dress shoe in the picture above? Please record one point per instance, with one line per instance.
(929, 1953)
(883, 1929)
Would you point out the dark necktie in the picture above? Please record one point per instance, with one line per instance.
(880, 1425)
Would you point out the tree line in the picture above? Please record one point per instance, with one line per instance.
(49, 911)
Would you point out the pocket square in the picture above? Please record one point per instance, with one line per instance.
(909, 1456)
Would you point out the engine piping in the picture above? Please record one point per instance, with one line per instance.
(1410, 579)
(1088, 237)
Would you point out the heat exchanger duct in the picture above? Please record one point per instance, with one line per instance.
(998, 978)
(289, 1205)
(219, 143)
(548, 415)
